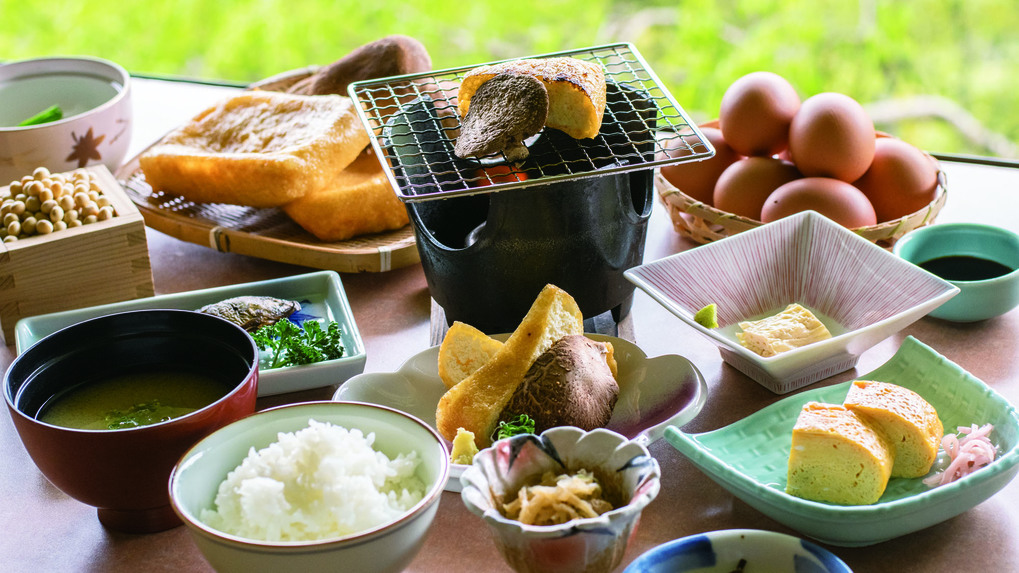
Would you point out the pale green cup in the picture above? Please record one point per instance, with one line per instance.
(977, 299)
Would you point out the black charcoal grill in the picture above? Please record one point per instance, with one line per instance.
(573, 214)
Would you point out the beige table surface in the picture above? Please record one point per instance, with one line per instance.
(41, 529)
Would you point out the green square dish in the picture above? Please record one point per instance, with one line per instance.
(750, 457)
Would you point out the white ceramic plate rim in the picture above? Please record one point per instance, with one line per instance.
(422, 369)
(723, 538)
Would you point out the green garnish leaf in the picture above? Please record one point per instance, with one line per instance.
(52, 113)
(522, 424)
(707, 316)
(292, 345)
(142, 414)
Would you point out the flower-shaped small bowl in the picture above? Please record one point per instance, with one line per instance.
(860, 291)
(588, 544)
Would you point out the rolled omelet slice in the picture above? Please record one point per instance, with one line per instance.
(259, 149)
(837, 457)
(909, 422)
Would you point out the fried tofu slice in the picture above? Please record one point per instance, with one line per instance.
(792, 328)
(358, 201)
(475, 403)
(463, 351)
(259, 149)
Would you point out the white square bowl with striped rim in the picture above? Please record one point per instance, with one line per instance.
(860, 291)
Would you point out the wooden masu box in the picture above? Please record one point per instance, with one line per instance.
(104, 262)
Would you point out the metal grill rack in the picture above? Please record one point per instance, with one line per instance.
(415, 123)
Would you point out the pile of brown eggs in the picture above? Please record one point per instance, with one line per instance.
(776, 156)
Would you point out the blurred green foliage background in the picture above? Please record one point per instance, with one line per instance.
(942, 74)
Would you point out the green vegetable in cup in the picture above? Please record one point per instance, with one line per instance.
(52, 113)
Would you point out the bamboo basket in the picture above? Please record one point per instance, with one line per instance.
(704, 224)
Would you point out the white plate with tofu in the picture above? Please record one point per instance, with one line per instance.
(654, 393)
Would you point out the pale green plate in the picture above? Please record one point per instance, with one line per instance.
(750, 457)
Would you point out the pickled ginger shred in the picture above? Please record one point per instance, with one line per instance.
(558, 499)
(320, 482)
(967, 454)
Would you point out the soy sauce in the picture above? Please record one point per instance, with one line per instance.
(965, 268)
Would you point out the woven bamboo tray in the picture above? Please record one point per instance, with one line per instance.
(704, 224)
(264, 233)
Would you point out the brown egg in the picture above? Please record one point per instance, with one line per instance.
(756, 112)
(832, 136)
(835, 199)
(745, 186)
(697, 178)
(901, 179)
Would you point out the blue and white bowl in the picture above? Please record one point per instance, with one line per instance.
(589, 544)
(722, 552)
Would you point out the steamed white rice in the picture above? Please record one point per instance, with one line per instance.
(320, 482)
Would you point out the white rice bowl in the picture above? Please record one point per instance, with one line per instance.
(321, 482)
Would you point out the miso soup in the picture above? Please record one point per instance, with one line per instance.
(133, 400)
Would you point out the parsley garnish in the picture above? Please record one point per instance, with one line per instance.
(292, 345)
(522, 424)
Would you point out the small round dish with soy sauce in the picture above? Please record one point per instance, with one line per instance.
(982, 260)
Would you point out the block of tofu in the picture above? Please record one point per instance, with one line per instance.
(260, 149)
(836, 457)
(909, 422)
(792, 328)
(358, 201)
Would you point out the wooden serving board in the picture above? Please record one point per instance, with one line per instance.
(264, 233)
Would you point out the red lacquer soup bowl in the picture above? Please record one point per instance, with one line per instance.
(201, 369)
